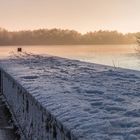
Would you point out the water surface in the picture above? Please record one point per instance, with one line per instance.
(124, 56)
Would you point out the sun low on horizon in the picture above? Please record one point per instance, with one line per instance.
(80, 15)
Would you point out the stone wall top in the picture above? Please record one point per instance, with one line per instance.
(92, 101)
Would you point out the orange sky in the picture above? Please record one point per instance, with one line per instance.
(80, 15)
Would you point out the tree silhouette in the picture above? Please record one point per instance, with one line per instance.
(138, 39)
(59, 36)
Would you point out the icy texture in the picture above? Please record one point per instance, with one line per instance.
(93, 102)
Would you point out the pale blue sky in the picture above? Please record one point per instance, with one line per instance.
(80, 15)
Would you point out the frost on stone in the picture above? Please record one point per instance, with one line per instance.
(92, 101)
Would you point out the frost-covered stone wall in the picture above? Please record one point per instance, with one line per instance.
(34, 122)
(60, 99)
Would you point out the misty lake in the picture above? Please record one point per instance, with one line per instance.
(124, 56)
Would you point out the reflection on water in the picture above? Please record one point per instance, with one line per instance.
(114, 55)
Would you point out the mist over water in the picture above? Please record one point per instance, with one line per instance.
(124, 56)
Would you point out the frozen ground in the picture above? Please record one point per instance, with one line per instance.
(94, 102)
(7, 131)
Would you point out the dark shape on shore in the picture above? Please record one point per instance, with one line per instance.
(19, 49)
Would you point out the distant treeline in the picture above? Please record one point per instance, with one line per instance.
(59, 36)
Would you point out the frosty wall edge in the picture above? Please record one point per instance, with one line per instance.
(33, 121)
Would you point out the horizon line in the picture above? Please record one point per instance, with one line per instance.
(43, 28)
